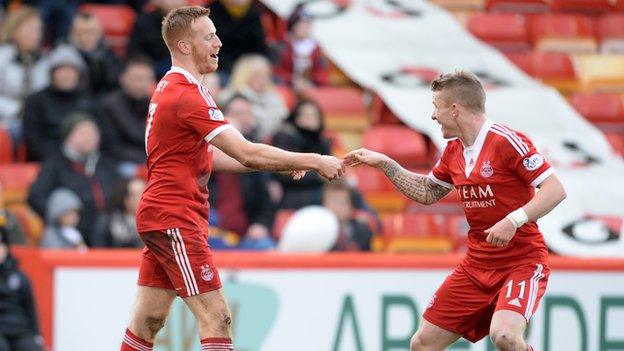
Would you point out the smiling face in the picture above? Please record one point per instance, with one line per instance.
(445, 113)
(204, 45)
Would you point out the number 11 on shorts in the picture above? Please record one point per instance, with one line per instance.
(509, 286)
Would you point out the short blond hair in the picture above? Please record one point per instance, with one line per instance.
(178, 23)
(15, 19)
(244, 68)
(463, 87)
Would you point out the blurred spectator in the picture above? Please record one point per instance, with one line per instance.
(146, 38)
(78, 167)
(9, 223)
(240, 31)
(252, 77)
(124, 112)
(19, 327)
(103, 65)
(213, 83)
(23, 66)
(119, 226)
(302, 132)
(300, 62)
(241, 200)
(57, 15)
(45, 111)
(62, 218)
(353, 234)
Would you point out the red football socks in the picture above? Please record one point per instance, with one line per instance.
(217, 344)
(132, 342)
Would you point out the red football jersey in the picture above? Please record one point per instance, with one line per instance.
(182, 120)
(495, 176)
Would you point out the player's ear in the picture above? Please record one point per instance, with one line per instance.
(455, 110)
(184, 47)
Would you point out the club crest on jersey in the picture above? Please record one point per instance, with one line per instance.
(206, 273)
(215, 114)
(533, 162)
(486, 169)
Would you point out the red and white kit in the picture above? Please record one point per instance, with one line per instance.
(495, 176)
(172, 215)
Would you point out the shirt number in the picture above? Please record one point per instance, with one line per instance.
(151, 111)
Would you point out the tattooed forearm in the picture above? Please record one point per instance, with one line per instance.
(417, 187)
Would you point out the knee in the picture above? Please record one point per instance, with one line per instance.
(153, 324)
(505, 340)
(220, 321)
(418, 343)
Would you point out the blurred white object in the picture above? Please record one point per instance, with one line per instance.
(310, 229)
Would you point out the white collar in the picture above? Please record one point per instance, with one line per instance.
(187, 74)
(478, 143)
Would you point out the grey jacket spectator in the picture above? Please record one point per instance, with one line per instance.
(80, 168)
(62, 217)
(45, 111)
(23, 66)
(240, 29)
(19, 326)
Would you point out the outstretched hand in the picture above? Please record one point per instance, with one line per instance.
(364, 156)
(331, 167)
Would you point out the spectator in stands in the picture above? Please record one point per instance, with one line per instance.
(240, 31)
(124, 112)
(354, 234)
(241, 200)
(62, 218)
(19, 327)
(103, 65)
(45, 111)
(9, 223)
(80, 168)
(23, 65)
(300, 62)
(57, 15)
(252, 77)
(302, 132)
(146, 38)
(119, 226)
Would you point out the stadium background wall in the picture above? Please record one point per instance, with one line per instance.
(312, 302)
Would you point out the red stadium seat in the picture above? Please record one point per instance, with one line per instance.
(382, 113)
(619, 5)
(343, 107)
(401, 143)
(599, 108)
(30, 222)
(504, 31)
(6, 146)
(16, 179)
(616, 139)
(563, 33)
(415, 233)
(281, 218)
(288, 95)
(117, 22)
(611, 33)
(378, 190)
(554, 69)
(518, 6)
(582, 5)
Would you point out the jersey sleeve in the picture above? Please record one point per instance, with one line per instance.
(440, 174)
(526, 162)
(199, 113)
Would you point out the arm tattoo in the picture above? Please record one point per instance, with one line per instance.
(417, 187)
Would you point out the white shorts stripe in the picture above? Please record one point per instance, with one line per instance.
(513, 136)
(508, 139)
(175, 245)
(533, 290)
(188, 264)
(136, 345)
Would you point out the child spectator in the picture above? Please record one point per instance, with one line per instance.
(62, 217)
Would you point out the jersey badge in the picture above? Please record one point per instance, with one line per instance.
(215, 114)
(206, 273)
(486, 169)
(533, 162)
